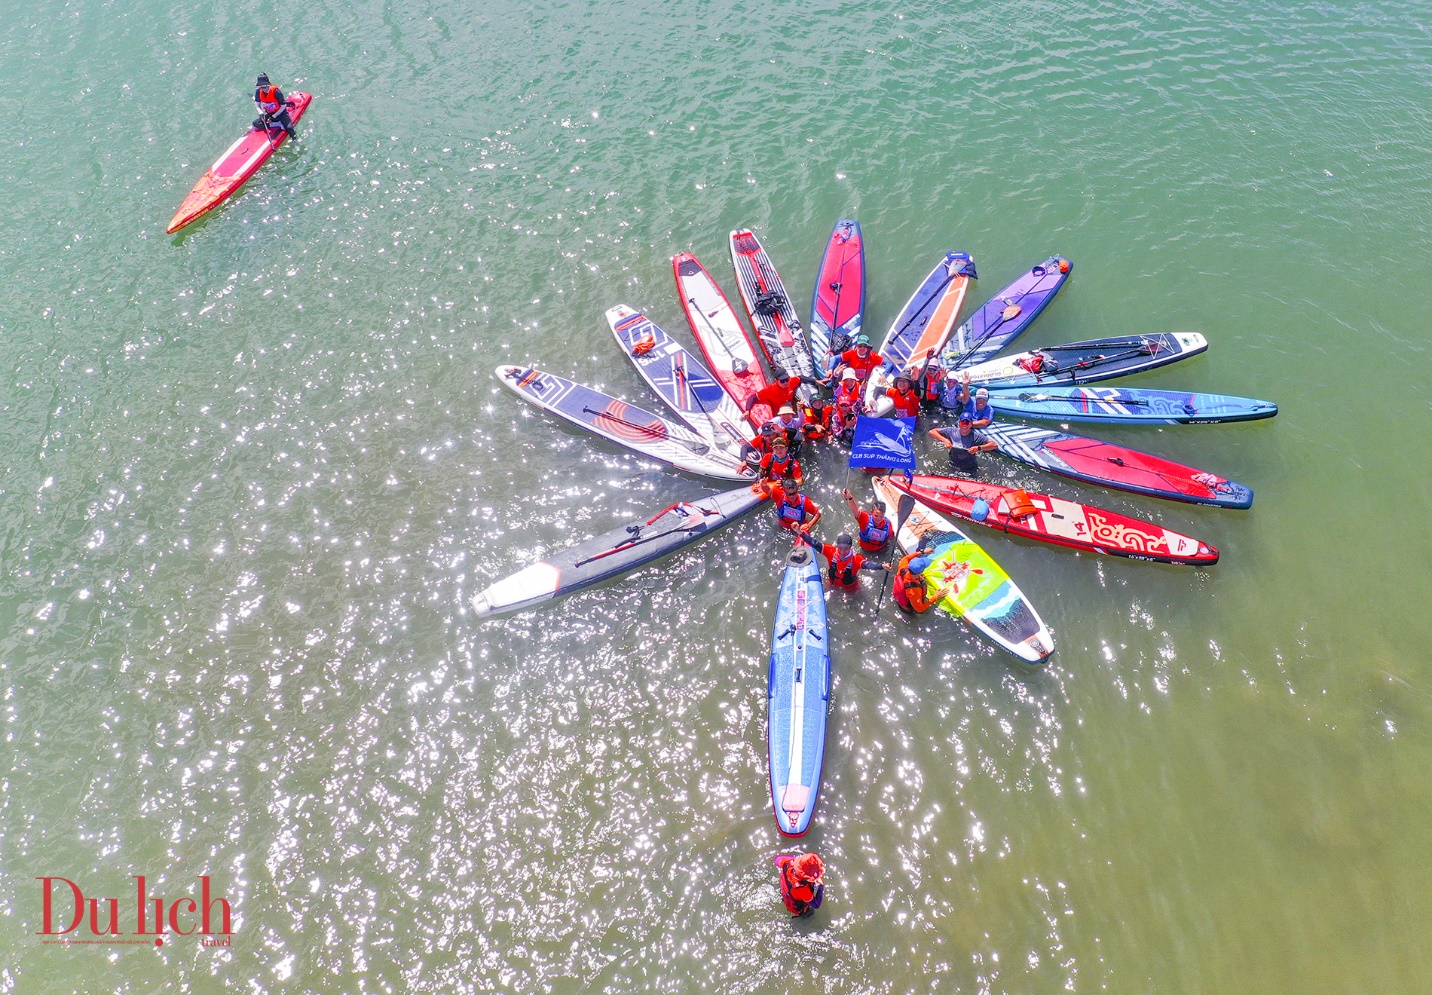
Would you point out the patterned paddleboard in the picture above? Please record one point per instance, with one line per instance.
(1130, 405)
(983, 594)
(625, 424)
(772, 314)
(1057, 521)
(686, 386)
(798, 693)
(1008, 315)
(1084, 362)
(924, 324)
(1103, 463)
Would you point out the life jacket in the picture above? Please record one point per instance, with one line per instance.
(792, 514)
(843, 570)
(907, 404)
(779, 469)
(910, 595)
(849, 397)
(872, 537)
(799, 897)
(269, 99)
(862, 367)
(932, 385)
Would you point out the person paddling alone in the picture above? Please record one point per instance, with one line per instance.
(965, 445)
(802, 882)
(272, 105)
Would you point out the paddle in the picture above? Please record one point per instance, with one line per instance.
(1010, 311)
(904, 506)
(699, 448)
(1073, 399)
(638, 537)
(679, 370)
(738, 365)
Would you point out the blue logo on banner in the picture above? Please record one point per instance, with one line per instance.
(883, 442)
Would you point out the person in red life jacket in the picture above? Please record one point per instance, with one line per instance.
(862, 359)
(911, 592)
(849, 392)
(903, 396)
(875, 528)
(759, 447)
(272, 105)
(794, 511)
(777, 395)
(779, 463)
(845, 564)
(802, 882)
(839, 420)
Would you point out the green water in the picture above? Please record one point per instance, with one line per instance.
(252, 474)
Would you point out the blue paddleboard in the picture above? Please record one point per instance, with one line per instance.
(798, 686)
(1127, 405)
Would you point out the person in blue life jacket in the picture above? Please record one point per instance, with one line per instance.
(273, 106)
(875, 529)
(794, 511)
(964, 444)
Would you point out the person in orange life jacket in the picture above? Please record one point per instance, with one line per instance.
(910, 589)
(272, 105)
(779, 463)
(964, 444)
(839, 421)
(849, 391)
(862, 358)
(845, 564)
(802, 881)
(903, 396)
(875, 528)
(777, 394)
(794, 511)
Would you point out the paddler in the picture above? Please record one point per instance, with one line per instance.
(802, 881)
(779, 463)
(910, 589)
(903, 396)
(273, 106)
(777, 395)
(964, 444)
(845, 564)
(794, 511)
(862, 358)
(875, 527)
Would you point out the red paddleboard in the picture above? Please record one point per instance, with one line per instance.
(231, 169)
(724, 341)
(1054, 520)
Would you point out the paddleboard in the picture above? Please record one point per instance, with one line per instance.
(1006, 316)
(772, 314)
(1129, 405)
(1057, 521)
(924, 324)
(983, 594)
(1083, 362)
(231, 169)
(1108, 465)
(615, 553)
(625, 424)
(687, 387)
(730, 353)
(798, 692)
(839, 300)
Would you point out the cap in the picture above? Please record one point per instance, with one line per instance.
(862, 339)
(849, 374)
(768, 428)
(844, 540)
(982, 393)
(780, 440)
(786, 409)
(809, 867)
(966, 419)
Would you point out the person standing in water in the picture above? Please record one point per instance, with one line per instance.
(802, 882)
